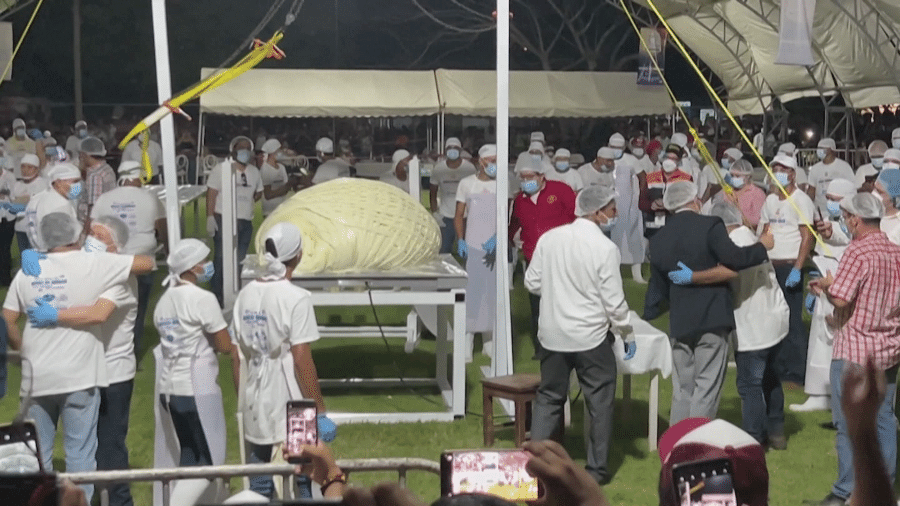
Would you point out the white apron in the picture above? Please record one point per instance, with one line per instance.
(481, 288)
(628, 234)
(821, 338)
(167, 451)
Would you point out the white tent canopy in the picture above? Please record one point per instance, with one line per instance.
(853, 46)
(378, 93)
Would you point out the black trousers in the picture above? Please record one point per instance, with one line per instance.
(7, 232)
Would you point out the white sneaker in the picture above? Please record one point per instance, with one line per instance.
(813, 403)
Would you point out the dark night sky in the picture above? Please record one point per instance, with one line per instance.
(118, 63)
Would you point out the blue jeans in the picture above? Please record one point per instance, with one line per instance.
(112, 430)
(448, 235)
(191, 438)
(263, 485)
(762, 399)
(79, 412)
(244, 236)
(145, 287)
(887, 429)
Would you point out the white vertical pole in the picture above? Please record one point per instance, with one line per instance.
(167, 125)
(502, 361)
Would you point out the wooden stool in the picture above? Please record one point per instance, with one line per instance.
(521, 389)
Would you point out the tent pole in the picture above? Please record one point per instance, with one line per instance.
(167, 124)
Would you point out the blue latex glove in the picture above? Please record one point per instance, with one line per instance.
(462, 249)
(13, 208)
(683, 276)
(630, 349)
(810, 303)
(43, 315)
(793, 278)
(326, 427)
(35, 134)
(491, 245)
(31, 264)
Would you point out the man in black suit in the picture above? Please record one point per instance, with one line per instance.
(701, 316)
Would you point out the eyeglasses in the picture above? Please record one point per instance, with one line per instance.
(244, 179)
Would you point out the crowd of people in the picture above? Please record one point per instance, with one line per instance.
(728, 247)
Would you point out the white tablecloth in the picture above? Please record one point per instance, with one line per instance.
(654, 352)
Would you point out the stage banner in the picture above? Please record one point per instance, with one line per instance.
(656, 42)
(795, 32)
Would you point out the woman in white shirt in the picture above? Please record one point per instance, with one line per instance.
(190, 418)
(273, 324)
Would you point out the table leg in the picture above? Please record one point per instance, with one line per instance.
(653, 425)
(488, 407)
(441, 349)
(459, 354)
(520, 422)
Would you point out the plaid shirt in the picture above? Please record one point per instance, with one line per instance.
(99, 180)
(869, 278)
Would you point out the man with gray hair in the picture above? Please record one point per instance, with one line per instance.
(66, 364)
(575, 271)
(701, 314)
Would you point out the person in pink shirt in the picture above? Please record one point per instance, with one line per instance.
(748, 197)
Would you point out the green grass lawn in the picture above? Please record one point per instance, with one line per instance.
(803, 472)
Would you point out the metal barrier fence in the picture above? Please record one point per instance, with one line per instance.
(103, 479)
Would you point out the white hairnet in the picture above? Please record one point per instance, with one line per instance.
(892, 154)
(827, 143)
(18, 123)
(788, 148)
(452, 142)
(537, 136)
(129, 170)
(92, 146)
(742, 167)
(59, 229)
(679, 139)
(616, 140)
(841, 188)
(286, 243)
(593, 198)
(536, 146)
(236, 140)
(606, 153)
(895, 134)
(63, 171)
(877, 148)
(487, 150)
(399, 155)
(562, 153)
(734, 153)
(864, 205)
(30, 159)
(785, 161)
(270, 146)
(81, 123)
(730, 215)
(117, 229)
(679, 194)
(325, 145)
(184, 256)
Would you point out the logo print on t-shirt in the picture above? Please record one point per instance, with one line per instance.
(551, 199)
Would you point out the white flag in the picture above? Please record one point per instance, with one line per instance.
(795, 34)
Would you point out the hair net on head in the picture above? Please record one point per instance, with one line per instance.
(864, 205)
(270, 146)
(59, 229)
(890, 179)
(616, 140)
(892, 154)
(488, 150)
(592, 199)
(92, 146)
(827, 143)
(734, 153)
(399, 155)
(536, 146)
(841, 188)
(742, 167)
(117, 229)
(562, 153)
(606, 153)
(81, 123)
(537, 136)
(129, 171)
(184, 256)
(282, 242)
(63, 171)
(679, 139)
(452, 142)
(238, 139)
(679, 194)
(730, 215)
(325, 145)
(31, 159)
(877, 148)
(788, 148)
(18, 123)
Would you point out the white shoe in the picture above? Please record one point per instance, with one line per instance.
(637, 275)
(813, 403)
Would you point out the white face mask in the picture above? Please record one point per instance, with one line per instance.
(669, 165)
(637, 152)
(94, 245)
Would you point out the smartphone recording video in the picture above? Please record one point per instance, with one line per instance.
(301, 428)
(496, 472)
(22, 481)
(705, 483)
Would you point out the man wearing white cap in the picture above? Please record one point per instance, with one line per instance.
(144, 215)
(99, 177)
(829, 167)
(74, 141)
(688, 164)
(600, 171)
(533, 158)
(445, 179)
(628, 234)
(330, 167)
(65, 188)
(800, 178)
(651, 198)
(714, 184)
(276, 183)
(134, 153)
(399, 175)
(868, 272)
(562, 170)
(787, 217)
(575, 271)
(821, 330)
(19, 144)
(866, 174)
(638, 148)
(30, 185)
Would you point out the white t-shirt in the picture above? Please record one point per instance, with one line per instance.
(331, 169)
(447, 181)
(269, 318)
(73, 145)
(821, 174)
(468, 187)
(591, 176)
(66, 359)
(118, 332)
(785, 223)
(392, 179)
(40, 205)
(631, 161)
(646, 164)
(139, 209)
(710, 178)
(571, 177)
(247, 185)
(276, 177)
(890, 225)
(7, 185)
(133, 153)
(184, 315)
(22, 193)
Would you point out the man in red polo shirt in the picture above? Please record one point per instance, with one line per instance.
(539, 207)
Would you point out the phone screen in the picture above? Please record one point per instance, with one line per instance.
(301, 426)
(705, 483)
(19, 449)
(499, 472)
(21, 479)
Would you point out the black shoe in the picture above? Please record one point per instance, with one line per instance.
(828, 425)
(778, 442)
(833, 499)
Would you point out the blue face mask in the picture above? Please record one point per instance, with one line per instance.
(207, 274)
(834, 208)
(562, 166)
(782, 178)
(845, 229)
(608, 226)
(726, 163)
(82, 133)
(737, 182)
(491, 170)
(821, 154)
(895, 143)
(243, 156)
(618, 153)
(537, 158)
(878, 162)
(530, 187)
(94, 245)
(74, 190)
(452, 154)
